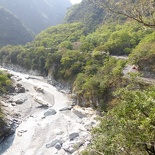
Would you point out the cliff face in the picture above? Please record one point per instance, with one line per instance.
(12, 31)
(37, 14)
(5, 130)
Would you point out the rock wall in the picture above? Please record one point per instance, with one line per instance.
(8, 121)
(59, 83)
(18, 68)
(6, 129)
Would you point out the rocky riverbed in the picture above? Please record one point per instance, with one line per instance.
(45, 120)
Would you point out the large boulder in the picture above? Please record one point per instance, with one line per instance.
(66, 108)
(40, 101)
(21, 100)
(73, 135)
(21, 90)
(58, 146)
(50, 112)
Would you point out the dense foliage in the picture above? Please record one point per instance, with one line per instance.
(46, 50)
(87, 13)
(101, 77)
(129, 128)
(82, 59)
(144, 55)
(142, 11)
(73, 54)
(119, 39)
(5, 82)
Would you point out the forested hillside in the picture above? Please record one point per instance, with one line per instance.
(87, 13)
(12, 31)
(74, 55)
(81, 55)
(37, 15)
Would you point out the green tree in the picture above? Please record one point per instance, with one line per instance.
(142, 11)
(66, 45)
(5, 82)
(129, 128)
(70, 64)
(87, 13)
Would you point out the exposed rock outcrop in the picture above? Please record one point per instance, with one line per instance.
(8, 123)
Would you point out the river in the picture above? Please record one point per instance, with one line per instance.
(46, 130)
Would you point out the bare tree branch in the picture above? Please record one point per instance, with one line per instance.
(143, 11)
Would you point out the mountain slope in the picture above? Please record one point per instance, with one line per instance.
(37, 15)
(87, 13)
(12, 30)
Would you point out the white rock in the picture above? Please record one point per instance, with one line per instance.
(58, 132)
(21, 100)
(54, 142)
(71, 147)
(41, 101)
(68, 147)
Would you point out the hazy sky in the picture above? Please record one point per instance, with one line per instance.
(75, 1)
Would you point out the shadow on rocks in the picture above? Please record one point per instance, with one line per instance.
(6, 142)
(6, 135)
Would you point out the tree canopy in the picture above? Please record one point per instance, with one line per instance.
(87, 13)
(142, 11)
(71, 54)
